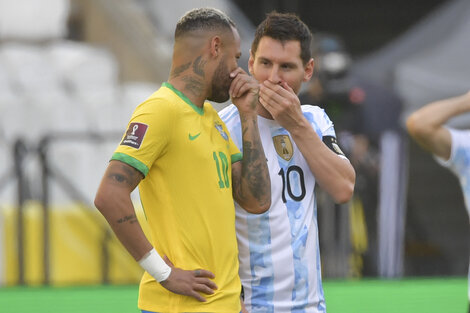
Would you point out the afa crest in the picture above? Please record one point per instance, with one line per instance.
(283, 146)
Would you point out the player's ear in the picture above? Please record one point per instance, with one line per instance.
(251, 61)
(309, 70)
(215, 46)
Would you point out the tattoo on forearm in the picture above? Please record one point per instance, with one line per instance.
(254, 169)
(198, 66)
(180, 69)
(130, 218)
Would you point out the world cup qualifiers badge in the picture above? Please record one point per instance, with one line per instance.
(134, 135)
(221, 130)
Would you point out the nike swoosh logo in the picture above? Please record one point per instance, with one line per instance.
(193, 137)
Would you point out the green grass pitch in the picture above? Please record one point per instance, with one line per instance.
(429, 295)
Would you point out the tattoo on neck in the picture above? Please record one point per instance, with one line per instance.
(198, 66)
(180, 69)
(193, 85)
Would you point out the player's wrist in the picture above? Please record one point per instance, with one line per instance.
(299, 128)
(153, 264)
(248, 114)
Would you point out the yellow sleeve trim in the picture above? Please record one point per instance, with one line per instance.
(236, 157)
(141, 167)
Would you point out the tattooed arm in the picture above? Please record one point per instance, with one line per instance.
(113, 200)
(250, 176)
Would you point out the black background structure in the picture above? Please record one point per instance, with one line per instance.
(364, 25)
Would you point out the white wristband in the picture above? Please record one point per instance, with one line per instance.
(155, 266)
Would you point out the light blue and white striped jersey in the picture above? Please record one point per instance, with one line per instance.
(459, 163)
(279, 250)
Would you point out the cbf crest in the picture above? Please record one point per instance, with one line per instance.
(221, 130)
(283, 146)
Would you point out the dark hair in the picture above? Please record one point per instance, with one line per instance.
(284, 27)
(203, 19)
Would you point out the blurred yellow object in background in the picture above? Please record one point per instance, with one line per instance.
(79, 240)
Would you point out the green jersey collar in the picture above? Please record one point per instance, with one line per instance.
(198, 110)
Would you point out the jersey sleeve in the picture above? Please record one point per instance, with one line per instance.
(147, 135)
(319, 120)
(235, 154)
(459, 160)
(326, 124)
(324, 127)
(230, 117)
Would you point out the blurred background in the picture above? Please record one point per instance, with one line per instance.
(72, 71)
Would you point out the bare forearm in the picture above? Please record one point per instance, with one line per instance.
(254, 190)
(334, 174)
(426, 125)
(129, 232)
(113, 200)
(436, 114)
(123, 221)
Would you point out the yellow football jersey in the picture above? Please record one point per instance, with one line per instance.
(185, 152)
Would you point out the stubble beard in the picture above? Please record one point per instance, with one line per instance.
(221, 82)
